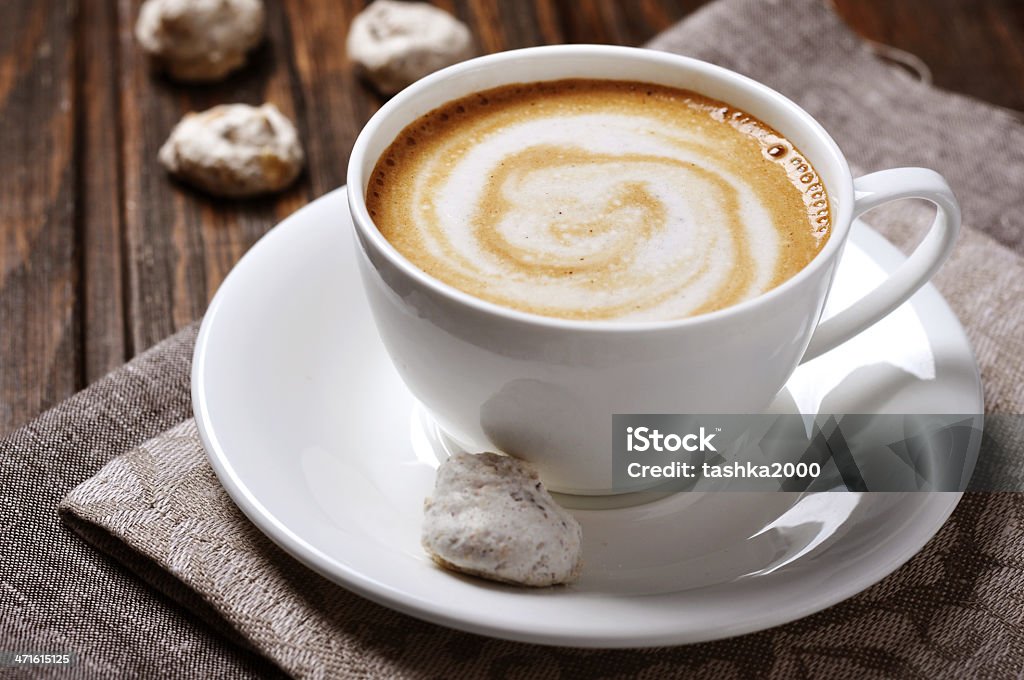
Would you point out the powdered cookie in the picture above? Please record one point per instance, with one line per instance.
(396, 43)
(199, 40)
(234, 150)
(491, 516)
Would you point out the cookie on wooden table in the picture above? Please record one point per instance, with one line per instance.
(234, 150)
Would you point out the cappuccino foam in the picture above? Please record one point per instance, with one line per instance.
(595, 199)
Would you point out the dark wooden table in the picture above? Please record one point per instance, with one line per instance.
(101, 255)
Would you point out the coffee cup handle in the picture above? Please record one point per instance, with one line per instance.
(871, 191)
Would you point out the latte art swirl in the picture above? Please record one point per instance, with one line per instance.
(592, 200)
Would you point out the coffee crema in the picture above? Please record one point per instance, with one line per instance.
(599, 199)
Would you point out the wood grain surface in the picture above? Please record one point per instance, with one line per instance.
(101, 255)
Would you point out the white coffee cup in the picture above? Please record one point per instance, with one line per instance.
(544, 389)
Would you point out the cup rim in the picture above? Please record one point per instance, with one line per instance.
(365, 226)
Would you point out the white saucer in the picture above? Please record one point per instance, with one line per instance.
(310, 430)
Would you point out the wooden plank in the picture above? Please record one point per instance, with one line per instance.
(586, 21)
(98, 200)
(336, 104)
(615, 22)
(548, 22)
(180, 243)
(39, 347)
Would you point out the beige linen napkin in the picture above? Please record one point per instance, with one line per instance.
(58, 594)
(954, 610)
